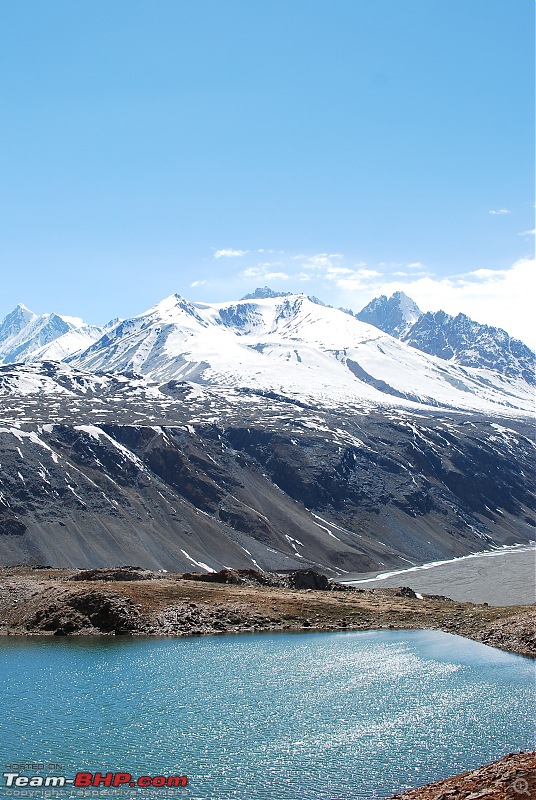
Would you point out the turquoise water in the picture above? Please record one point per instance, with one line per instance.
(307, 716)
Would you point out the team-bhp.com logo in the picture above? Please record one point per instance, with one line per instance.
(84, 780)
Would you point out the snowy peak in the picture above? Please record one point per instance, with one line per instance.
(158, 342)
(15, 322)
(25, 336)
(24, 339)
(173, 307)
(394, 315)
(264, 293)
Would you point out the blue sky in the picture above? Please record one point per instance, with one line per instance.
(336, 147)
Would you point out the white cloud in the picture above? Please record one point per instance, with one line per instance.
(320, 261)
(78, 321)
(350, 284)
(197, 283)
(499, 212)
(229, 253)
(487, 274)
(368, 273)
(273, 276)
(265, 272)
(528, 233)
(345, 277)
(335, 272)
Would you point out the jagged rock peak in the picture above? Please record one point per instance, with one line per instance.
(264, 293)
(394, 315)
(471, 344)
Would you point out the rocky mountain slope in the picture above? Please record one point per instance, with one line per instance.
(110, 469)
(273, 432)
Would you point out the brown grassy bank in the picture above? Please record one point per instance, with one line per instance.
(66, 601)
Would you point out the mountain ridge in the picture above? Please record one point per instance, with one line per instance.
(289, 344)
(458, 339)
(395, 315)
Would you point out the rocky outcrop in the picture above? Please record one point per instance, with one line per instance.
(90, 611)
(300, 579)
(117, 574)
(517, 634)
(236, 577)
(308, 579)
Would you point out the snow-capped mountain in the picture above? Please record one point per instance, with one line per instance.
(272, 432)
(27, 336)
(395, 315)
(459, 339)
(464, 341)
(279, 343)
(14, 323)
(292, 345)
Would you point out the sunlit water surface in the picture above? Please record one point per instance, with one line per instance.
(331, 716)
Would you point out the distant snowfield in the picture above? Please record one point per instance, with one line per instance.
(503, 577)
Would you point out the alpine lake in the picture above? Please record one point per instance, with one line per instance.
(301, 716)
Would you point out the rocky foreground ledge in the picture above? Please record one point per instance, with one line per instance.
(133, 601)
(511, 778)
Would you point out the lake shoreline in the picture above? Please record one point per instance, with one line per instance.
(43, 601)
